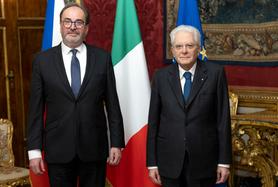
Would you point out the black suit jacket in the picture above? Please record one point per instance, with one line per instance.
(201, 126)
(73, 126)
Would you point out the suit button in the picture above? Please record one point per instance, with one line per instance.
(184, 139)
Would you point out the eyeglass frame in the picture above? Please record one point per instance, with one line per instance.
(179, 47)
(79, 23)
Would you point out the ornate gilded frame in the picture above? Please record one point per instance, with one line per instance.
(256, 43)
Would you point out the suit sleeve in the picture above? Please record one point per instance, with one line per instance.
(36, 109)
(153, 122)
(113, 108)
(223, 120)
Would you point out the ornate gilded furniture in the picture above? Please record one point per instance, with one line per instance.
(9, 174)
(233, 101)
(254, 141)
(255, 134)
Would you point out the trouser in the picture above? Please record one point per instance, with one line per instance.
(185, 179)
(88, 174)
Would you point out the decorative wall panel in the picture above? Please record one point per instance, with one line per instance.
(31, 8)
(1, 8)
(26, 53)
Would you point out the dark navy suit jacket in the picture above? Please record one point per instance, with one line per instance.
(73, 126)
(200, 126)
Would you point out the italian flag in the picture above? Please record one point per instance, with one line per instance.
(133, 87)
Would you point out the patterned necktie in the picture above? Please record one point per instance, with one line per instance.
(75, 73)
(187, 85)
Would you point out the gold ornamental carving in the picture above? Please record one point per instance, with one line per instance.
(253, 141)
(17, 182)
(10, 175)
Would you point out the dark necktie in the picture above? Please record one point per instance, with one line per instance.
(187, 85)
(75, 73)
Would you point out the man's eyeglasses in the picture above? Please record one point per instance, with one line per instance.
(187, 46)
(67, 23)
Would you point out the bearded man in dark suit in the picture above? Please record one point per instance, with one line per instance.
(72, 82)
(189, 132)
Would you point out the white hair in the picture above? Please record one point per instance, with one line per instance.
(186, 29)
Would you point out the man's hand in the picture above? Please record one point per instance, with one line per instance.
(154, 176)
(114, 156)
(222, 174)
(37, 166)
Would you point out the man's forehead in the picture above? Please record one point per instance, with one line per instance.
(73, 11)
(184, 37)
(183, 33)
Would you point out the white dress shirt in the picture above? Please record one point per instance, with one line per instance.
(182, 71)
(81, 55)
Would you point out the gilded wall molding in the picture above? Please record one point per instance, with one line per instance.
(2, 15)
(255, 97)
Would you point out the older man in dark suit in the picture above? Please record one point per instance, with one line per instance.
(189, 133)
(72, 82)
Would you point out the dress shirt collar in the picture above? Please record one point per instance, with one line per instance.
(191, 70)
(67, 50)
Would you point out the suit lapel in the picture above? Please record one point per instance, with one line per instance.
(174, 81)
(198, 81)
(89, 69)
(60, 67)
